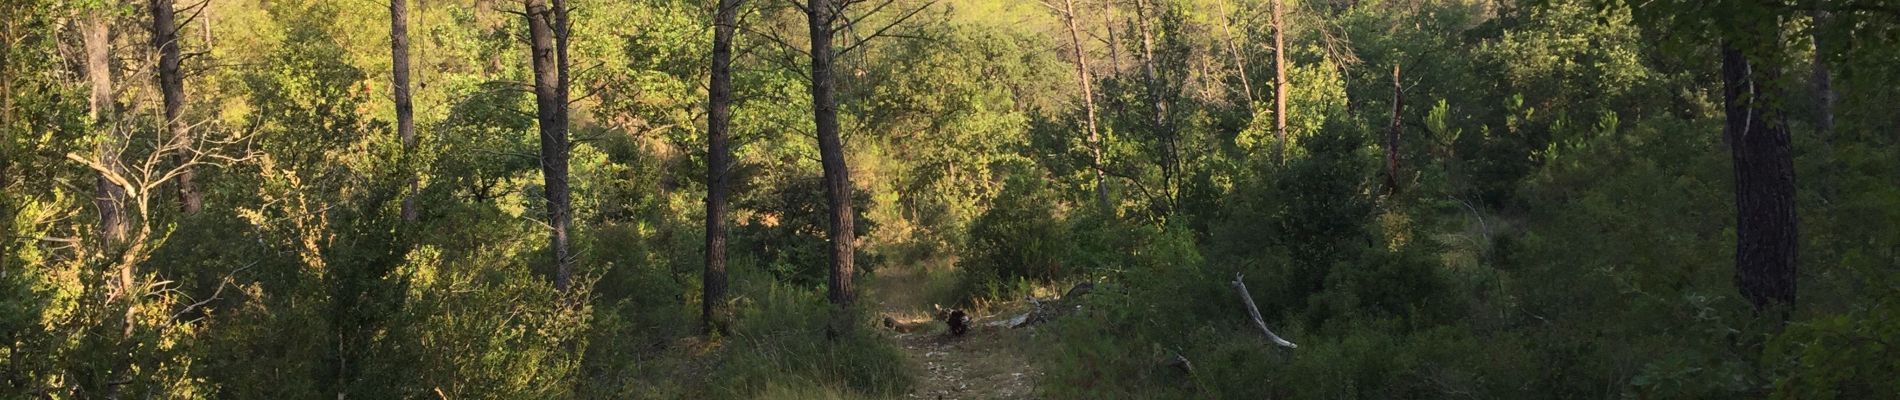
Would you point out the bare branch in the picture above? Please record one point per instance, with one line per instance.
(1254, 312)
(880, 31)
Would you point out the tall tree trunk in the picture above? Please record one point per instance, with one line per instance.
(1157, 109)
(405, 109)
(718, 162)
(111, 198)
(1765, 231)
(1823, 78)
(1240, 64)
(831, 153)
(1114, 43)
(1392, 135)
(550, 102)
(1088, 103)
(1279, 83)
(171, 84)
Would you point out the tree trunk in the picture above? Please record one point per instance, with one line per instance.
(171, 84)
(1392, 135)
(1823, 79)
(1765, 231)
(1157, 109)
(1114, 43)
(831, 153)
(111, 198)
(551, 111)
(405, 109)
(718, 162)
(1088, 104)
(1279, 83)
(1240, 64)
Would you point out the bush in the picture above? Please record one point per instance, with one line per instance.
(1020, 237)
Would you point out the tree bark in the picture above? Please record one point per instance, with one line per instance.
(1088, 103)
(550, 98)
(718, 162)
(405, 109)
(1765, 231)
(1279, 83)
(171, 84)
(831, 153)
(111, 198)
(1392, 135)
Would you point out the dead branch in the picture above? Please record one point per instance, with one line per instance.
(1254, 312)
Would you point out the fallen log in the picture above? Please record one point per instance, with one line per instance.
(1254, 312)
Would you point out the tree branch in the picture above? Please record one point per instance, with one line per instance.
(1254, 312)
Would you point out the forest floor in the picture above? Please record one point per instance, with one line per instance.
(988, 362)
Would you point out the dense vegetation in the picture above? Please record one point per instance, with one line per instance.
(1433, 198)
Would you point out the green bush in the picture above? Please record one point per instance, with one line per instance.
(1020, 237)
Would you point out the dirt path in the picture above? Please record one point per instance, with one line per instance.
(986, 363)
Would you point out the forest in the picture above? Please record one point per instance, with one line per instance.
(949, 199)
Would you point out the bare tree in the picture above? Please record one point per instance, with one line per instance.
(547, 36)
(141, 179)
(405, 109)
(1233, 50)
(1392, 134)
(1082, 79)
(1114, 42)
(1157, 107)
(718, 163)
(171, 83)
(1279, 82)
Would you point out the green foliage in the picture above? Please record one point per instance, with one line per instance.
(1019, 237)
(1563, 226)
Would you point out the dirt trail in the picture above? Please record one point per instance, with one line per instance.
(986, 363)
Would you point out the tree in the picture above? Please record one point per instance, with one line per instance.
(718, 163)
(1088, 99)
(1823, 75)
(171, 84)
(1233, 51)
(1765, 229)
(1157, 108)
(820, 14)
(1279, 83)
(547, 37)
(1392, 133)
(405, 109)
(96, 33)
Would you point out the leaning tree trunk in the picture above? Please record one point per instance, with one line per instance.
(831, 153)
(405, 109)
(1765, 231)
(172, 85)
(718, 162)
(1279, 83)
(1088, 104)
(550, 102)
(111, 198)
(1233, 50)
